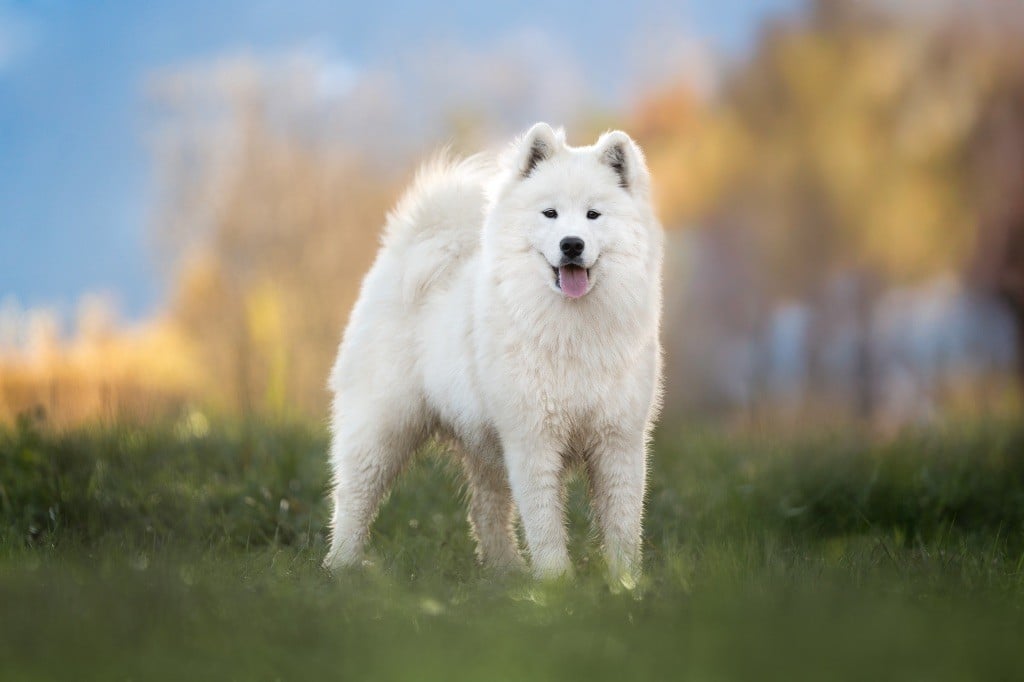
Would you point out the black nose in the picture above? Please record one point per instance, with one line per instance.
(571, 246)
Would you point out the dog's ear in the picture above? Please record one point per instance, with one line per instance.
(618, 151)
(538, 144)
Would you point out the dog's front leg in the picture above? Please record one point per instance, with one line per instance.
(535, 476)
(618, 476)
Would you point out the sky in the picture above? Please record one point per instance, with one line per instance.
(76, 191)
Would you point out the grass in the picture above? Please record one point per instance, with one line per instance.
(173, 553)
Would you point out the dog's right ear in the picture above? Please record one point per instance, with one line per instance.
(538, 144)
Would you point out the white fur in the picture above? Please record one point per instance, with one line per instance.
(460, 331)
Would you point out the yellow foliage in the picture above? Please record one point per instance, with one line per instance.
(143, 373)
(265, 318)
(840, 144)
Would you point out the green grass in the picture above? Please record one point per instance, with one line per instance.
(150, 553)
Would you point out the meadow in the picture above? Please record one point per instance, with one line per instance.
(191, 551)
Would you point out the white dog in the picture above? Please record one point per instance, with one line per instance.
(514, 311)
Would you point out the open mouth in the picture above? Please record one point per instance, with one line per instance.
(572, 280)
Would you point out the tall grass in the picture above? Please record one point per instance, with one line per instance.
(171, 552)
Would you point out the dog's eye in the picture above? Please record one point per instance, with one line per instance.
(593, 215)
(550, 213)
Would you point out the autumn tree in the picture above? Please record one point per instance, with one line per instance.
(838, 149)
(272, 227)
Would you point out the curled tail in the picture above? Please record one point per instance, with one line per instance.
(436, 225)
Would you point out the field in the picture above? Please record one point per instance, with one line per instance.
(187, 552)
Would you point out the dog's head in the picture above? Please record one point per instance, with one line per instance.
(580, 213)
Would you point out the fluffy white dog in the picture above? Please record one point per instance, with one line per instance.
(514, 311)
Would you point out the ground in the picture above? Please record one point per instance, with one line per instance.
(185, 553)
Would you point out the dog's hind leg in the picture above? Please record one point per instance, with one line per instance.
(366, 457)
(492, 513)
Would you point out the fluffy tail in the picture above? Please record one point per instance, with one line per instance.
(436, 225)
(446, 195)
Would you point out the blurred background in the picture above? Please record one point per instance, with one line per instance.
(190, 192)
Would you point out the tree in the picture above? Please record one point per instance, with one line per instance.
(997, 157)
(839, 150)
(272, 226)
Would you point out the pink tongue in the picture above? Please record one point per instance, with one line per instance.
(573, 280)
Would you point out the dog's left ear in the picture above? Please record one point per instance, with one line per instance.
(619, 152)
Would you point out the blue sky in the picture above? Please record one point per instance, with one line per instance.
(75, 187)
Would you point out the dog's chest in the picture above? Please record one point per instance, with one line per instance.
(569, 387)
